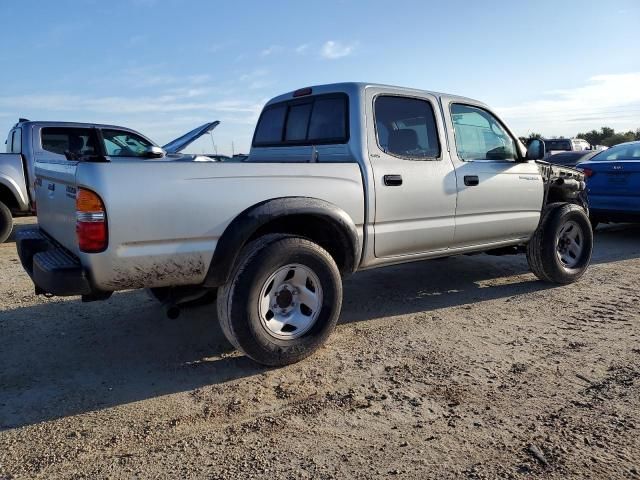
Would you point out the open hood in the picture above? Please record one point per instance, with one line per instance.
(180, 143)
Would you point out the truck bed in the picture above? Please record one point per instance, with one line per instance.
(165, 218)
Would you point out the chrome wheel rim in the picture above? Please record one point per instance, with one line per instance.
(290, 301)
(570, 244)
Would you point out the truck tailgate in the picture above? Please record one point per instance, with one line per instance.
(56, 201)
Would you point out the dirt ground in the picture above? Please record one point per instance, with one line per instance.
(461, 368)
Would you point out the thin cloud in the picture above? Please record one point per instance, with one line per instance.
(332, 50)
(216, 47)
(302, 48)
(612, 99)
(175, 102)
(271, 50)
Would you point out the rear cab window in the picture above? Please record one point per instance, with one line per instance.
(558, 145)
(313, 120)
(73, 140)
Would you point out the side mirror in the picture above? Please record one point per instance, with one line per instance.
(536, 150)
(154, 152)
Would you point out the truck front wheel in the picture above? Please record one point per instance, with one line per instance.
(560, 249)
(282, 301)
(6, 222)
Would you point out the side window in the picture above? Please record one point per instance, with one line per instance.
(17, 141)
(119, 143)
(79, 141)
(307, 121)
(480, 136)
(406, 127)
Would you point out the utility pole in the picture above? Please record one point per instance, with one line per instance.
(233, 150)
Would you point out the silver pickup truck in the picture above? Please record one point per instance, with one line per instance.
(29, 141)
(340, 178)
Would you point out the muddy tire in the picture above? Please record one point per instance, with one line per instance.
(6, 222)
(560, 249)
(282, 301)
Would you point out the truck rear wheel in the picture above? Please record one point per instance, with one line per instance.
(6, 222)
(282, 301)
(560, 249)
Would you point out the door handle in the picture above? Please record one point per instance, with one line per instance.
(471, 180)
(392, 180)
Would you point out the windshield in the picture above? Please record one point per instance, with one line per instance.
(119, 143)
(558, 145)
(626, 151)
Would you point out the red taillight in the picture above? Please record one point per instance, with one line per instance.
(587, 172)
(302, 92)
(91, 222)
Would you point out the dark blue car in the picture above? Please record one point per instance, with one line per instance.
(613, 184)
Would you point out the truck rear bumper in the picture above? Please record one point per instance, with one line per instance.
(52, 269)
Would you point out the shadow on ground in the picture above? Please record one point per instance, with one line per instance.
(26, 222)
(61, 358)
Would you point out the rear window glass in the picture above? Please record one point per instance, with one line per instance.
(625, 151)
(78, 141)
(309, 121)
(297, 122)
(269, 129)
(564, 145)
(329, 119)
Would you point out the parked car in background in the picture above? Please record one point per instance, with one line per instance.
(613, 184)
(29, 141)
(557, 145)
(340, 178)
(571, 159)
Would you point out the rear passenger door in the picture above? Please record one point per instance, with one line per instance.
(415, 185)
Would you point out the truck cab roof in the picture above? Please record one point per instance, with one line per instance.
(355, 88)
(48, 123)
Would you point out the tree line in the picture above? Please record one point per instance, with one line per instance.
(605, 136)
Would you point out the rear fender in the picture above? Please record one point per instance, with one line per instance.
(12, 195)
(271, 216)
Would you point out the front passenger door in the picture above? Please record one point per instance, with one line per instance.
(499, 195)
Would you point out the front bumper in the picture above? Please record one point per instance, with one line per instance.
(52, 269)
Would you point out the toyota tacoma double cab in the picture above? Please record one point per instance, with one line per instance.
(29, 141)
(340, 178)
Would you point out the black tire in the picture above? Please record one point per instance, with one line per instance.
(542, 250)
(238, 299)
(6, 222)
(198, 296)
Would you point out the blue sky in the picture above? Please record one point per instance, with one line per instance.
(166, 66)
